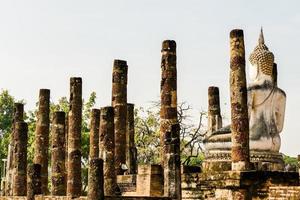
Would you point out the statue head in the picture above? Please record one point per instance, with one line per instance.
(262, 61)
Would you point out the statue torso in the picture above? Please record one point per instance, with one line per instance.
(266, 105)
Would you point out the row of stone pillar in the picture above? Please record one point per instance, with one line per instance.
(116, 134)
(19, 153)
(70, 183)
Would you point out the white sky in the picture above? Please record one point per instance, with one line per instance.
(43, 43)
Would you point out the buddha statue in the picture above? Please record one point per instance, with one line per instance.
(266, 109)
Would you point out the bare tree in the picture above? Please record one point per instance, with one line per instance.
(191, 135)
(147, 133)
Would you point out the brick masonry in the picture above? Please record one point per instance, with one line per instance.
(284, 193)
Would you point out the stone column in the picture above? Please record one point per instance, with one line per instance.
(95, 180)
(66, 140)
(74, 139)
(20, 159)
(107, 150)
(119, 102)
(58, 171)
(3, 179)
(214, 111)
(18, 113)
(172, 171)
(168, 89)
(131, 149)
(42, 137)
(119, 83)
(34, 183)
(94, 134)
(238, 98)
(169, 127)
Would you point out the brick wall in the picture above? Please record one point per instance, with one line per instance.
(190, 183)
(284, 193)
(85, 198)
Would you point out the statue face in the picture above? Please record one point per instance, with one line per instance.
(253, 72)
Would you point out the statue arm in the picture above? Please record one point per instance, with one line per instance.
(279, 111)
(249, 102)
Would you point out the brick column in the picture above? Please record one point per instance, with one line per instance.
(169, 127)
(18, 114)
(74, 139)
(94, 134)
(131, 150)
(214, 110)
(34, 183)
(168, 89)
(58, 171)
(95, 180)
(42, 136)
(20, 159)
(107, 150)
(238, 98)
(119, 102)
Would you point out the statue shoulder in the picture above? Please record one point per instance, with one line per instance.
(280, 91)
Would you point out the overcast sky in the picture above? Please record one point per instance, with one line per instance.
(44, 43)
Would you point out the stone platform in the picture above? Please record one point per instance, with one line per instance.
(148, 182)
(260, 160)
(249, 184)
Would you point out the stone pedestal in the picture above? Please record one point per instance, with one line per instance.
(127, 184)
(221, 161)
(150, 180)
